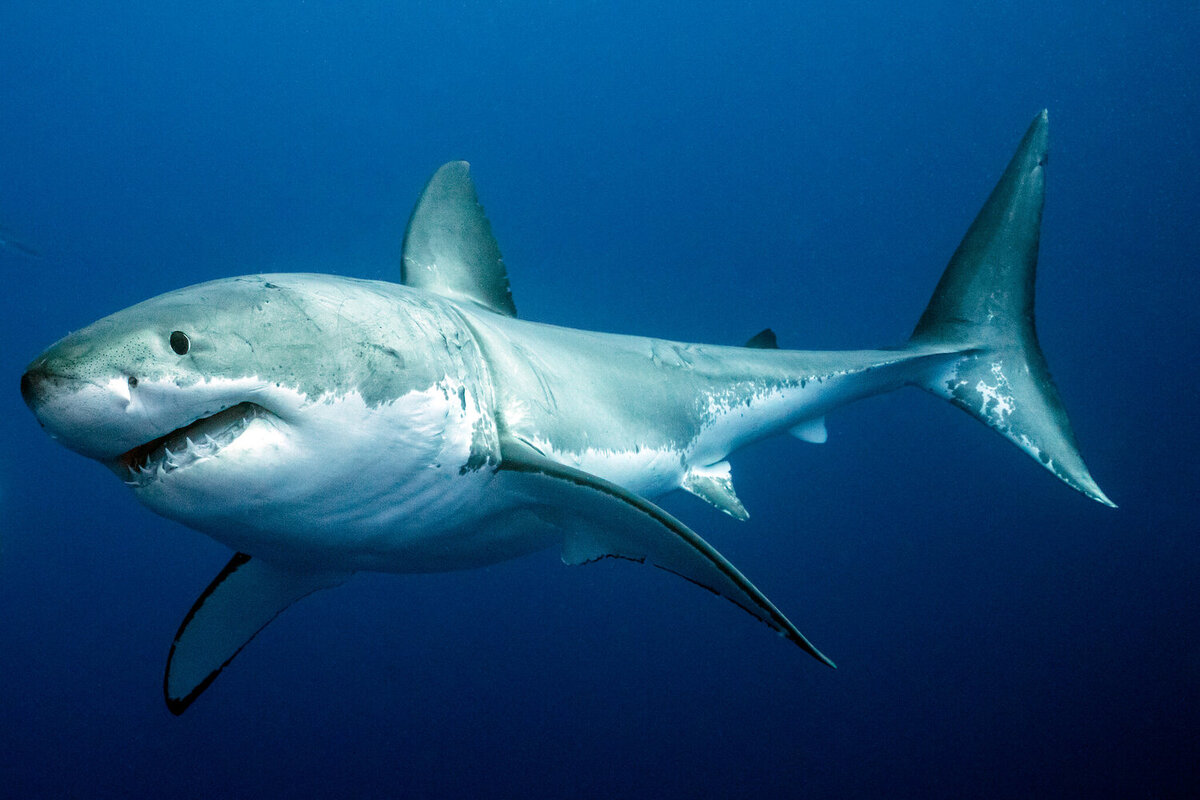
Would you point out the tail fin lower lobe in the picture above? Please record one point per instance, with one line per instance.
(983, 305)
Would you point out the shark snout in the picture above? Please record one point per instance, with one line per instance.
(35, 385)
(87, 416)
(42, 386)
(43, 392)
(28, 382)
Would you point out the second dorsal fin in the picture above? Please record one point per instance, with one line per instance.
(449, 248)
(763, 340)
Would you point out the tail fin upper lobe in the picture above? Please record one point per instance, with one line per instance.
(983, 304)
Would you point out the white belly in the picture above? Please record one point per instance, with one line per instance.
(347, 486)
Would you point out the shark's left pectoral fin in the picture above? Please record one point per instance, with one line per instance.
(246, 595)
(601, 519)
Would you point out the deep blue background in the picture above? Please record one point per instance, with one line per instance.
(694, 171)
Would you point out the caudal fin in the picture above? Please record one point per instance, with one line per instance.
(983, 305)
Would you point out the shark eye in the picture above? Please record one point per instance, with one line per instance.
(180, 342)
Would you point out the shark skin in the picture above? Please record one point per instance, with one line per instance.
(321, 426)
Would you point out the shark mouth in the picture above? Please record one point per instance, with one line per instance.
(185, 446)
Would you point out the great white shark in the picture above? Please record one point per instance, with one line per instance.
(321, 425)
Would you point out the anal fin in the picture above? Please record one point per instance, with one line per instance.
(811, 430)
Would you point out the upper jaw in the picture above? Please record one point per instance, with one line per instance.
(203, 438)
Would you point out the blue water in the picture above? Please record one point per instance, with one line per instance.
(693, 171)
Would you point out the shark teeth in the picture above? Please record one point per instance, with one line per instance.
(185, 446)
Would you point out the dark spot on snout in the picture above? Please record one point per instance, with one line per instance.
(27, 388)
(132, 381)
(34, 384)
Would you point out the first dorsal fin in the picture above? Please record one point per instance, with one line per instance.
(449, 248)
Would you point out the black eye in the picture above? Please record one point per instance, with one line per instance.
(180, 342)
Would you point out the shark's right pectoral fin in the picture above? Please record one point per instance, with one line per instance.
(602, 520)
(244, 597)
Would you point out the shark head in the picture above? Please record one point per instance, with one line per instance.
(136, 384)
(229, 405)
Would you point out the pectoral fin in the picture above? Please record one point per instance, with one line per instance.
(246, 595)
(602, 519)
